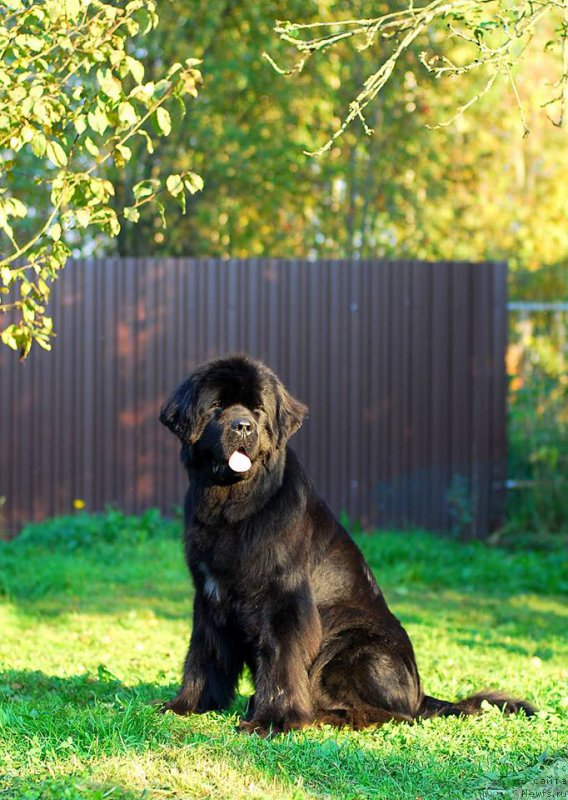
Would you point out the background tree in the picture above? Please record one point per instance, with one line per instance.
(475, 189)
(73, 97)
(490, 37)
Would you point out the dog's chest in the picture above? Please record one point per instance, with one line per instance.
(235, 575)
(231, 601)
(218, 568)
(222, 585)
(212, 585)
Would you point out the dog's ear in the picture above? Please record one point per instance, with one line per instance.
(179, 412)
(290, 414)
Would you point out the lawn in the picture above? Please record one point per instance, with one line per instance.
(94, 621)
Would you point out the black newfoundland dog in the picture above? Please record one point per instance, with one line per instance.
(279, 584)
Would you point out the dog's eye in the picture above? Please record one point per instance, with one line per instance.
(215, 404)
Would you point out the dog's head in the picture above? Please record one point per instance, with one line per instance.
(230, 414)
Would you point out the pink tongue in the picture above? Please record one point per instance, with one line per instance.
(239, 462)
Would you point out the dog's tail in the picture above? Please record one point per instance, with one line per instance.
(432, 707)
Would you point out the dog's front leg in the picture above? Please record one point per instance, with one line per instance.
(288, 643)
(212, 666)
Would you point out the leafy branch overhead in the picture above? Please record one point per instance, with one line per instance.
(488, 37)
(73, 99)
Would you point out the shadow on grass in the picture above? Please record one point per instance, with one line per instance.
(485, 615)
(170, 604)
(20, 687)
(45, 720)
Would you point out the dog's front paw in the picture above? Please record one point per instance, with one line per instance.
(178, 705)
(265, 729)
(255, 726)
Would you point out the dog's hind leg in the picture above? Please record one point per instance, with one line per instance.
(365, 685)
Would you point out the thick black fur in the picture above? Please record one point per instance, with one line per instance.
(280, 585)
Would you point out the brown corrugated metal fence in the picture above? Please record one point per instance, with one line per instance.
(401, 363)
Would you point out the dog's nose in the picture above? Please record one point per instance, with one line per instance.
(242, 426)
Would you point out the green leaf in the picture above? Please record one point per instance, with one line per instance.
(188, 83)
(131, 214)
(15, 207)
(80, 124)
(36, 91)
(145, 188)
(28, 311)
(110, 85)
(25, 347)
(122, 154)
(174, 185)
(107, 219)
(97, 189)
(55, 232)
(164, 120)
(136, 68)
(9, 336)
(193, 183)
(43, 113)
(148, 140)
(83, 216)
(56, 154)
(161, 209)
(127, 114)
(16, 142)
(43, 342)
(5, 226)
(91, 147)
(6, 276)
(28, 42)
(173, 69)
(144, 93)
(39, 144)
(28, 133)
(132, 26)
(27, 106)
(97, 120)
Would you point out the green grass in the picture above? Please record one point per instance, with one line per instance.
(94, 621)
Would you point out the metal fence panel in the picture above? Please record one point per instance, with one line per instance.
(401, 364)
